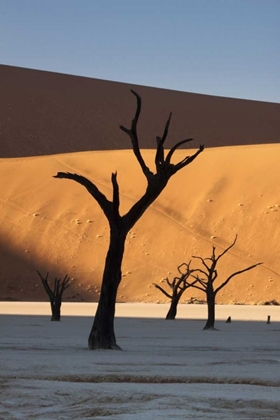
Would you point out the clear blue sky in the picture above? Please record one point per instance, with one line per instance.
(217, 47)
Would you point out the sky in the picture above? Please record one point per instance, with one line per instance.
(216, 47)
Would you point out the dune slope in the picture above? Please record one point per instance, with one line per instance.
(54, 225)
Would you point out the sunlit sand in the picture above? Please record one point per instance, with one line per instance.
(55, 226)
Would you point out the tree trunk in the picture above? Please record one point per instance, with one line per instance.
(102, 335)
(211, 311)
(55, 307)
(173, 308)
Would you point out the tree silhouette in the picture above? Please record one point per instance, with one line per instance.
(177, 286)
(55, 294)
(210, 274)
(102, 335)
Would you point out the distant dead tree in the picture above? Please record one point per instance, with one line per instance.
(102, 335)
(55, 294)
(210, 274)
(178, 287)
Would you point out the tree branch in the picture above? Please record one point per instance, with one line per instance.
(45, 284)
(116, 195)
(171, 285)
(197, 287)
(179, 280)
(187, 284)
(227, 249)
(56, 288)
(187, 265)
(132, 133)
(188, 159)
(204, 263)
(104, 203)
(159, 160)
(162, 290)
(235, 274)
(65, 283)
(174, 148)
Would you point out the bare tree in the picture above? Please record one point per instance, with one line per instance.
(208, 275)
(55, 294)
(102, 335)
(177, 286)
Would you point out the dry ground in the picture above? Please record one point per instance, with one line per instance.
(167, 369)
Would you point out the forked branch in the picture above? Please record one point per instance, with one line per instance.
(58, 288)
(160, 161)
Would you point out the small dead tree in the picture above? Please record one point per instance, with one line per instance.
(208, 275)
(102, 334)
(55, 294)
(178, 287)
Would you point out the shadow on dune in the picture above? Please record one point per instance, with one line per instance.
(19, 280)
(46, 113)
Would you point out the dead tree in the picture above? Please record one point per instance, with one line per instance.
(55, 294)
(102, 335)
(206, 278)
(178, 287)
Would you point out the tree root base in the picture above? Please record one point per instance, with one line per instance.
(210, 329)
(112, 346)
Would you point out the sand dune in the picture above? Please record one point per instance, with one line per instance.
(54, 225)
(49, 113)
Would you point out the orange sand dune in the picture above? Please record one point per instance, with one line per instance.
(54, 225)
